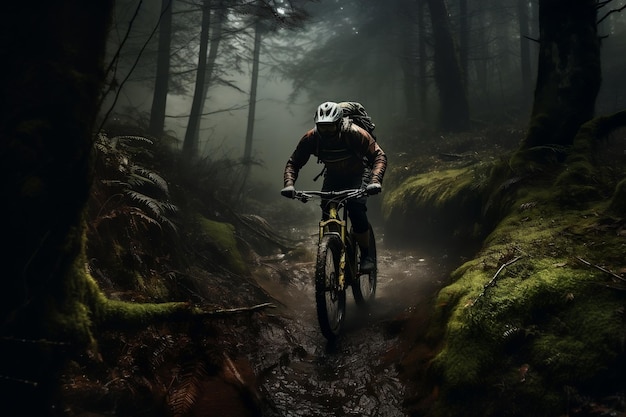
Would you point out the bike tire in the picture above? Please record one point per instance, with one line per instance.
(364, 285)
(330, 300)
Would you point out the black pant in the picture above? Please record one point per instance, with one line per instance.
(357, 208)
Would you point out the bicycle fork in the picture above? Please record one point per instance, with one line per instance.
(334, 225)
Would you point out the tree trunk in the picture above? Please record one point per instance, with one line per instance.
(247, 153)
(190, 143)
(423, 77)
(453, 102)
(569, 72)
(216, 37)
(481, 83)
(52, 76)
(408, 38)
(524, 32)
(159, 99)
(464, 38)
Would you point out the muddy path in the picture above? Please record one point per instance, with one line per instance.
(301, 374)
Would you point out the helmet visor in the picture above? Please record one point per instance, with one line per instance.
(327, 128)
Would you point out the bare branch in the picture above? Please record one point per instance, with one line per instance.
(182, 116)
(492, 281)
(601, 269)
(226, 311)
(611, 12)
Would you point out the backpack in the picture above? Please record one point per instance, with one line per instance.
(357, 114)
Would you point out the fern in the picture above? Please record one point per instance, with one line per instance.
(154, 207)
(130, 209)
(141, 184)
(184, 396)
(151, 176)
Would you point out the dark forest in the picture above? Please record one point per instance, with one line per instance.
(152, 267)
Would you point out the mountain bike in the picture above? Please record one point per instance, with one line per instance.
(338, 259)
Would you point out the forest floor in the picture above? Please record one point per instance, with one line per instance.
(271, 360)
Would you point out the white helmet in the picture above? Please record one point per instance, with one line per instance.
(328, 112)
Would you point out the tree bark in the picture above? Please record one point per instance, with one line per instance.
(464, 38)
(52, 76)
(422, 83)
(159, 99)
(407, 34)
(215, 39)
(247, 152)
(524, 31)
(190, 143)
(453, 102)
(569, 72)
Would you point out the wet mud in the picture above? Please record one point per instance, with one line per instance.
(302, 374)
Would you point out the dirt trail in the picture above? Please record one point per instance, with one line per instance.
(303, 375)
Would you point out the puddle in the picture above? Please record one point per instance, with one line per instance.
(300, 374)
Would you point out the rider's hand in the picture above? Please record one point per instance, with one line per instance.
(289, 192)
(373, 188)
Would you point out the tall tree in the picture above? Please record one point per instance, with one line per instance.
(256, 52)
(407, 34)
(569, 71)
(453, 101)
(423, 84)
(267, 19)
(464, 37)
(190, 143)
(524, 31)
(159, 98)
(220, 13)
(47, 113)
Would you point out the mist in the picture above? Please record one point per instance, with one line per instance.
(305, 65)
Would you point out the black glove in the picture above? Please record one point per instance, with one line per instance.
(373, 188)
(289, 192)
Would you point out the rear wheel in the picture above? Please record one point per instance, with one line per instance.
(364, 285)
(329, 298)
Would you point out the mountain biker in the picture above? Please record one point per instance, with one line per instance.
(352, 159)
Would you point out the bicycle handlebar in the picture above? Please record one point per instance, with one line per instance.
(340, 196)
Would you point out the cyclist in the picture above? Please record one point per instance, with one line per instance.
(352, 159)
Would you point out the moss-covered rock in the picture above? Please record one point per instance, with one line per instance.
(618, 199)
(436, 205)
(534, 321)
(547, 313)
(222, 237)
(528, 322)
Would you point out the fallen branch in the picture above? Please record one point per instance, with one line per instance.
(606, 271)
(493, 279)
(225, 311)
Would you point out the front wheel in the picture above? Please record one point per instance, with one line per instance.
(330, 299)
(364, 285)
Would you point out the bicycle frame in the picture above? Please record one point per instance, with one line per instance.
(336, 225)
(337, 261)
(337, 222)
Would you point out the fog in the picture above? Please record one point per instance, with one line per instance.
(279, 122)
(278, 126)
(368, 64)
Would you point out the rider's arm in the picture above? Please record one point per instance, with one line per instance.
(299, 158)
(369, 148)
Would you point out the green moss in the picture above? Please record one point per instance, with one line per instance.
(130, 315)
(578, 184)
(550, 214)
(427, 205)
(546, 309)
(75, 310)
(429, 188)
(222, 236)
(618, 200)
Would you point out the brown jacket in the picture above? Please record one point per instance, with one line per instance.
(345, 156)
